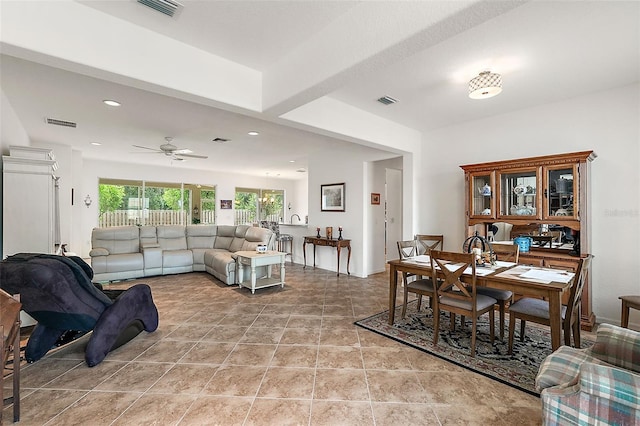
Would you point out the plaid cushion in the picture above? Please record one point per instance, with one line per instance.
(605, 395)
(561, 368)
(618, 346)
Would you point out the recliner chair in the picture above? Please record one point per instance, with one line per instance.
(58, 293)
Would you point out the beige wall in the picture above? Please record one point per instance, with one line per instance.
(606, 122)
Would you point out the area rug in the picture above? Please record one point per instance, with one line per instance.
(492, 360)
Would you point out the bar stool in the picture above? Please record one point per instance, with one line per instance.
(628, 302)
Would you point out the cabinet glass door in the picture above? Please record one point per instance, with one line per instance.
(519, 193)
(560, 193)
(482, 196)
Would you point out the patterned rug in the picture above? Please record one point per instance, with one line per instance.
(518, 370)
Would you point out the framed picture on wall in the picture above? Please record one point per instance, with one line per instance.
(332, 197)
(375, 198)
(226, 204)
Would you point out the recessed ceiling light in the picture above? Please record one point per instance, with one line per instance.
(96, 143)
(253, 133)
(292, 161)
(111, 103)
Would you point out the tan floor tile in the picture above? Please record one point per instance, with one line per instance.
(295, 356)
(300, 336)
(339, 337)
(270, 320)
(225, 333)
(42, 405)
(165, 351)
(279, 412)
(217, 410)
(390, 414)
(232, 380)
(263, 335)
(189, 332)
(37, 374)
(342, 413)
(341, 384)
(185, 379)
(86, 378)
(332, 323)
(304, 321)
(296, 383)
(483, 415)
(156, 409)
(339, 357)
(396, 386)
(135, 377)
(385, 358)
(207, 353)
(96, 408)
(251, 354)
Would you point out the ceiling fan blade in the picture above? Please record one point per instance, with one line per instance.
(145, 147)
(190, 155)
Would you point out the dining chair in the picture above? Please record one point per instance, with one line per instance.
(421, 286)
(537, 310)
(505, 253)
(458, 297)
(429, 242)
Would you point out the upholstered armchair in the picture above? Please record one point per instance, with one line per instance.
(598, 385)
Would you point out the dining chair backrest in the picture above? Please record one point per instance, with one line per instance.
(449, 278)
(507, 252)
(575, 296)
(426, 242)
(407, 249)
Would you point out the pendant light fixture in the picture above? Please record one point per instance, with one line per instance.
(485, 85)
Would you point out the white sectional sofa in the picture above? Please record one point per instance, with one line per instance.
(126, 252)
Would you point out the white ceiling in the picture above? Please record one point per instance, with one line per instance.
(546, 52)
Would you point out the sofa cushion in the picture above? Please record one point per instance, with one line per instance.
(117, 239)
(117, 263)
(172, 237)
(201, 236)
(148, 236)
(226, 234)
(175, 258)
(617, 346)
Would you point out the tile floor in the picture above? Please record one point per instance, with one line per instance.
(292, 356)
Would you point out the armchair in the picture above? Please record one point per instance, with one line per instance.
(598, 385)
(57, 291)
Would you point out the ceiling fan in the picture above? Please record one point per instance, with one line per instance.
(170, 150)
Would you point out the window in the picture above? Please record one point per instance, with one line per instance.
(254, 205)
(123, 202)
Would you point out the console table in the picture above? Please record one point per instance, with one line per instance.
(338, 244)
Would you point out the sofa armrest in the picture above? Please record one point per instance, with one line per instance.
(603, 395)
(617, 346)
(144, 246)
(616, 384)
(99, 251)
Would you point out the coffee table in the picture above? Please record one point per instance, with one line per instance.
(255, 260)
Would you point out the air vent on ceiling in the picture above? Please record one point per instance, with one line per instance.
(387, 100)
(221, 140)
(64, 123)
(301, 170)
(168, 7)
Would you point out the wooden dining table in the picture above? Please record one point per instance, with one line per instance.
(506, 278)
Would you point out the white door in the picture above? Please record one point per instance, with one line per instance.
(393, 211)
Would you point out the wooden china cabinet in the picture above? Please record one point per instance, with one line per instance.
(544, 197)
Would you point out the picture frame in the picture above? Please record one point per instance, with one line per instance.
(375, 198)
(332, 197)
(226, 204)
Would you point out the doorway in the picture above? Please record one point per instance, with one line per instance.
(392, 212)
